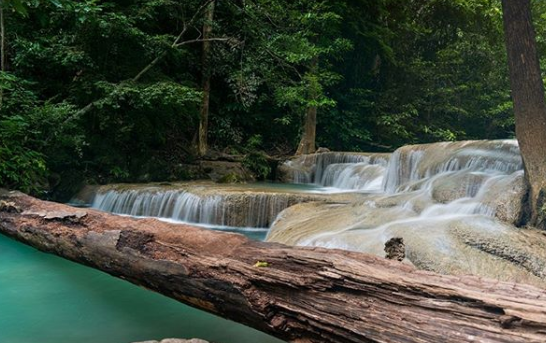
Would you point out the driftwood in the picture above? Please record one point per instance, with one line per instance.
(297, 294)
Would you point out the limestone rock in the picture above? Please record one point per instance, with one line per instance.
(506, 198)
(456, 186)
(322, 150)
(288, 172)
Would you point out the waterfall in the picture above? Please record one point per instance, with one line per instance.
(343, 170)
(408, 168)
(411, 164)
(453, 203)
(226, 208)
(357, 176)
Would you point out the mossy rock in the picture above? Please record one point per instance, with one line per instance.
(231, 178)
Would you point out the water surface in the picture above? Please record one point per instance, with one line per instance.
(46, 299)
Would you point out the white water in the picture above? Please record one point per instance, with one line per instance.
(453, 203)
(213, 206)
(346, 171)
(455, 178)
(424, 162)
(444, 199)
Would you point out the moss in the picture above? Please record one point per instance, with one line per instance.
(261, 264)
(231, 178)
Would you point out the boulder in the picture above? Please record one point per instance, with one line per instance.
(322, 150)
(446, 189)
(505, 197)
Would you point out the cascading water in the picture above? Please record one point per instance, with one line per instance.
(444, 199)
(178, 205)
(209, 205)
(456, 176)
(341, 170)
(453, 203)
(412, 164)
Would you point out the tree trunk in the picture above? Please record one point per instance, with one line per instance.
(307, 144)
(297, 294)
(205, 59)
(529, 103)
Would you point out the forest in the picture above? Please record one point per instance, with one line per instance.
(269, 171)
(117, 91)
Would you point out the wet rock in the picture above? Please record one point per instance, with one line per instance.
(395, 249)
(322, 150)
(456, 186)
(505, 198)
(85, 196)
(295, 171)
(305, 168)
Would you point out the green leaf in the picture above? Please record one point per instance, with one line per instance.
(19, 7)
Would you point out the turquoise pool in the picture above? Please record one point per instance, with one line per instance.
(46, 299)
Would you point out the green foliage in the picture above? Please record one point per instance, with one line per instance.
(381, 74)
(20, 166)
(258, 164)
(231, 178)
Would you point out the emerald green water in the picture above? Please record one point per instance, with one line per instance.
(46, 299)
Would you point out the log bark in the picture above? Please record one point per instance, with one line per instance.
(529, 103)
(297, 294)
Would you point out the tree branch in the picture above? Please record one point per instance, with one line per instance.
(200, 40)
(147, 68)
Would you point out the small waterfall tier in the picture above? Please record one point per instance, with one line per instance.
(455, 205)
(201, 204)
(411, 166)
(343, 170)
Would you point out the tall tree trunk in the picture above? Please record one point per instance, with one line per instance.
(204, 119)
(307, 143)
(529, 103)
(2, 48)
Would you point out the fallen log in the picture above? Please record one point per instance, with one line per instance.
(296, 294)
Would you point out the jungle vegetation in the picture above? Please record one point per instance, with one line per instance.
(131, 90)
